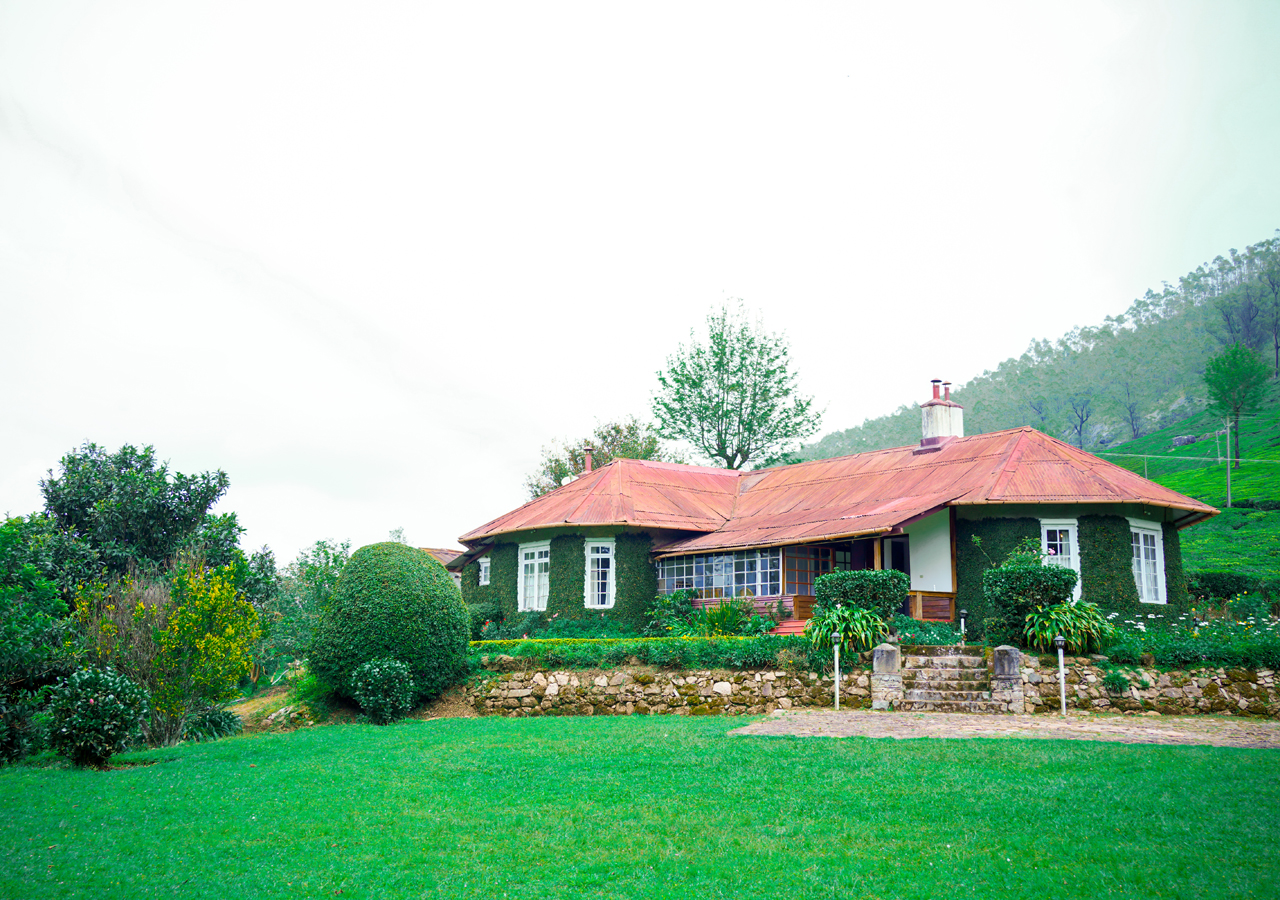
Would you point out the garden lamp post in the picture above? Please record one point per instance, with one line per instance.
(964, 614)
(835, 646)
(1060, 643)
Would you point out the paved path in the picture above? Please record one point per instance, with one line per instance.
(1219, 731)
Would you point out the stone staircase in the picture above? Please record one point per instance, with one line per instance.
(946, 679)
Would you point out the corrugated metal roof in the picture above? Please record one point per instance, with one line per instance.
(847, 496)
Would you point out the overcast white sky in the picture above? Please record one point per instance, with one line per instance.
(370, 258)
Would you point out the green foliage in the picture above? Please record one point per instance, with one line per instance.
(211, 724)
(1116, 682)
(95, 714)
(392, 601)
(625, 439)
(1183, 642)
(1017, 587)
(1081, 624)
(734, 398)
(290, 616)
(669, 612)
(126, 506)
(33, 631)
(384, 690)
(1208, 586)
(22, 730)
(997, 538)
(1237, 381)
(881, 591)
(186, 635)
(913, 632)
(523, 625)
(728, 617)
(859, 628)
(481, 615)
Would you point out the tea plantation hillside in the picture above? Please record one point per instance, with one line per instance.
(1245, 538)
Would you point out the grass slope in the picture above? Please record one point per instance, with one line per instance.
(1242, 540)
(644, 807)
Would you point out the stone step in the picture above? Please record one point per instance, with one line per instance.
(932, 695)
(944, 662)
(961, 674)
(944, 650)
(953, 706)
(980, 686)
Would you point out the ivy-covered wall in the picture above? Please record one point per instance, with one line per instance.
(501, 589)
(1106, 563)
(568, 578)
(637, 583)
(999, 537)
(635, 580)
(1175, 577)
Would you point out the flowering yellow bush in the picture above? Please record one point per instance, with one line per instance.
(186, 637)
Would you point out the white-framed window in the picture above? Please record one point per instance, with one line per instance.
(535, 577)
(1060, 543)
(601, 572)
(484, 570)
(743, 573)
(1147, 539)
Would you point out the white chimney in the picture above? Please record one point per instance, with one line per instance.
(942, 419)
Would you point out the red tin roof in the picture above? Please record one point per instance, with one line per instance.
(829, 499)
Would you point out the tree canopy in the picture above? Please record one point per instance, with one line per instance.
(733, 397)
(627, 438)
(1237, 382)
(126, 506)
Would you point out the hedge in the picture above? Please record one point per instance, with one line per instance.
(882, 591)
(392, 601)
(669, 653)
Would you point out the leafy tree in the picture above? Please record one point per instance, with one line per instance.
(126, 506)
(625, 439)
(1237, 382)
(35, 640)
(734, 397)
(305, 588)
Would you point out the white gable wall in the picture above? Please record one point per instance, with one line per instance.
(930, 549)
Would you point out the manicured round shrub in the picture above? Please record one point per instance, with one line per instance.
(384, 689)
(94, 714)
(392, 601)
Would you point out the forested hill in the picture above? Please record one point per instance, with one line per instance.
(1132, 375)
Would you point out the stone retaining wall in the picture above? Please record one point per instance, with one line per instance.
(1232, 691)
(644, 690)
(509, 690)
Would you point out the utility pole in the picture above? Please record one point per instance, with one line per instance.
(1228, 463)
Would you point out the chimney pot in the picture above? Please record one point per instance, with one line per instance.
(946, 385)
(935, 382)
(587, 453)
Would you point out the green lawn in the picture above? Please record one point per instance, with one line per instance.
(644, 807)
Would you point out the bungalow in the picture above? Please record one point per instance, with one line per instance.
(941, 511)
